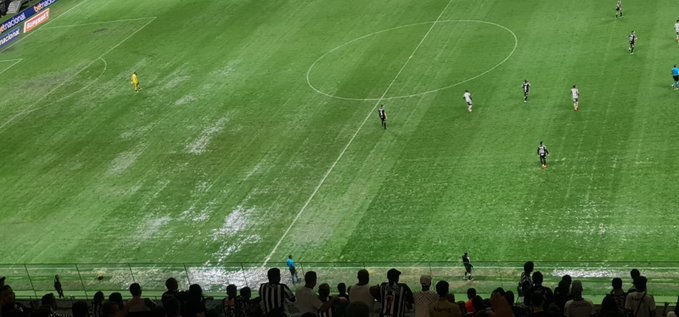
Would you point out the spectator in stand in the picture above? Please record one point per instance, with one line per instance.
(274, 295)
(469, 305)
(253, 307)
(341, 306)
(342, 290)
(424, 298)
(326, 299)
(307, 301)
(442, 307)
(634, 274)
(617, 294)
(80, 309)
(518, 310)
(117, 299)
(578, 306)
(500, 307)
(562, 293)
(360, 292)
(545, 292)
(526, 278)
(229, 303)
(137, 305)
(675, 311)
(195, 303)
(640, 303)
(609, 307)
(8, 304)
(358, 309)
(480, 306)
(48, 307)
(57, 286)
(172, 307)
(173, 291)
(110, 309)
(537, 300)
(394, 297)
(98, 304)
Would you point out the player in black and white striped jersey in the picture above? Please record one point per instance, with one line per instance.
(633, 38)
(618, 9)
(383, 116)
(274, 295)
(543, 152)
(526, 89)
(394, 296)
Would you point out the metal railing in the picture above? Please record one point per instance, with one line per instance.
(82, 280)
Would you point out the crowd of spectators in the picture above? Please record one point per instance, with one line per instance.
(363, 299)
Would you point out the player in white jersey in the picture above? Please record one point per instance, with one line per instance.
(468, 99)
(633, 38)
(618, 9)
(676, 29)
(575, 92)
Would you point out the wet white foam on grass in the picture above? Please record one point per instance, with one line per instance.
(125, 160)
(185, 100)
(200, 144)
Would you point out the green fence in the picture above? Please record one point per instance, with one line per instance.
(81, 280)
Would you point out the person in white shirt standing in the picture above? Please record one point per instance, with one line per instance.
(360, 292)
(578, 306)
(468, 99)
(425, 298)
(307, 300)
(639, 303)
(676, 29)
(575, 93)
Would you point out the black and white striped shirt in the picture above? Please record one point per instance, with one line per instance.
(393, 299)
(328, 313)
(273, 297)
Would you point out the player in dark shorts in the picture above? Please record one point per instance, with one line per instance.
(467, 266)
(543, 152)
(632, 42)
(618, 9)
(675, 76)
(383, 116)
(526, 89)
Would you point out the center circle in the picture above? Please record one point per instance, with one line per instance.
(360, 68)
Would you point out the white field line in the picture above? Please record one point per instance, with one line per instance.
(46, 24)
(32, 108)
(17, 61)
(353, 137)
(310, 84)
(84, 87)
(92, 23)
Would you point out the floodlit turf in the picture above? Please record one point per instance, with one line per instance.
(256, 133)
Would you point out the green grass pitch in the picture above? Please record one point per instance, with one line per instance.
(256, 134)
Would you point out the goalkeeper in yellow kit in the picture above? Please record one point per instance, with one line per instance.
(135, 82)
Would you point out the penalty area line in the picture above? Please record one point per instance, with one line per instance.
(32, 107)
(46, 24)
(94, 23)
(16, 61)
(353, 137)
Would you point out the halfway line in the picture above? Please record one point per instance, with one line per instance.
(351, 140)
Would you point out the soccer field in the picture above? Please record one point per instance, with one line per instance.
(256, 134)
